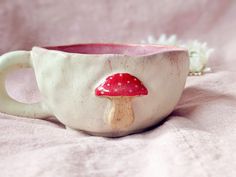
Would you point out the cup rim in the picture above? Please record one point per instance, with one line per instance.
(151, 49)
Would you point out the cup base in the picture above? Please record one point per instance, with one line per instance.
(115, 134)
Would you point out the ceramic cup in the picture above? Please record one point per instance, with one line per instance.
(103, 89)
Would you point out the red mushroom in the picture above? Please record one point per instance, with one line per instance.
(121, 88)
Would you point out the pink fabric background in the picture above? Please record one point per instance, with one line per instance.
(198, 139)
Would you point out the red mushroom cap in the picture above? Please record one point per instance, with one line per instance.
(121, 84)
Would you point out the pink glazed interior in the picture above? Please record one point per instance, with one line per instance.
(125, 49)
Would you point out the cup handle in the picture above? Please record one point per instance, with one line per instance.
(9, 62)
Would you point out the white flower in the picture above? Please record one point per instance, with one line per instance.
(199, 53)
(172, 40)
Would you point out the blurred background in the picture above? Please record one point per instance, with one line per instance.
(24, 23)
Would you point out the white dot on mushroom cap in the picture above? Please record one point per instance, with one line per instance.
(108, 85)
(136, 86)
(111, 77)
(102, 93)
(135, 79)
(130, 90)
(119, 84)
(128, 82)
(121, 75)
(115, 90)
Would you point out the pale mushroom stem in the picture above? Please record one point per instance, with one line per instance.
(121, 114)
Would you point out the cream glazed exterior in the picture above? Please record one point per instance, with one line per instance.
(68, 78)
